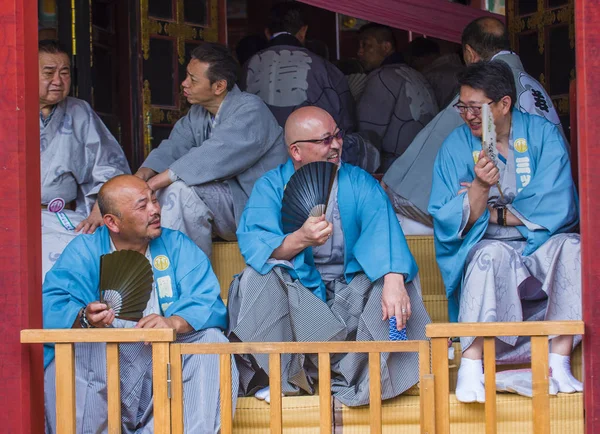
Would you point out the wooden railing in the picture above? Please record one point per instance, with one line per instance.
(64, 341)
(539, 332)
(324, 350)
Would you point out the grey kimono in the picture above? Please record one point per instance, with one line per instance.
(216, 161)
(78, 155)
(396, 104)
(410, 175)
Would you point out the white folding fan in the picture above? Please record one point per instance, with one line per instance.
(307, 194)
(125, 283)
(488, 138)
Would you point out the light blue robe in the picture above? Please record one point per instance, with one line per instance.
(74, 281)
(548, 197)
(374, 244)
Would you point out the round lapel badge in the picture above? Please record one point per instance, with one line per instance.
(520, 145)
(56, 205)
(161, 262)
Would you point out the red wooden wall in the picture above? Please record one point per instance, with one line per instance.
(21, 367)
(587, 23)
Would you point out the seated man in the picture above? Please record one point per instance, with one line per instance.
(339, 277)
(186, 298)
(78, 154)
(205, 170)
(397, 101)
(506, 256)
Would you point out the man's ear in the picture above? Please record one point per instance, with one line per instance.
(470, 55)
(111, 222)
(387, 48)
(301, 34)
(506, 102)
(294, 152)
(219, 87)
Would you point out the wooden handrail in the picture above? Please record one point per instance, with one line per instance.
(539, 331)
(495, 329)
(323, 349)
(47, 336)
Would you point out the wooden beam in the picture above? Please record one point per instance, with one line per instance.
(490, 329)
(113, 387)
(97, 335)
(439, 355)
(22, 373)
(587, 23)
(375, 392)
(325, 392)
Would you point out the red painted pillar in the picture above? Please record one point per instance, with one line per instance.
(587, 23)
(21, 366)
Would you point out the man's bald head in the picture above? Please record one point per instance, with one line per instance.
(306, 126)
(486, 36)
(111, 195)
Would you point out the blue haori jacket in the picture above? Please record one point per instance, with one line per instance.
(374, 242)
(186, 284)
(545, 196)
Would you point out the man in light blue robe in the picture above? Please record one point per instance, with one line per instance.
(409, 178)
(77, 155)
(185, 297)
(512, 219)
(340, 277)
(205, 171)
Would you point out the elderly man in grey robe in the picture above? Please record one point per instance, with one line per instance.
(77, 155)
(408, 180)
(204, 172)
(397, 101)
(287, 76)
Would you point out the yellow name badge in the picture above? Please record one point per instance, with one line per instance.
(520, 145)
(476, 156)
(161, 263)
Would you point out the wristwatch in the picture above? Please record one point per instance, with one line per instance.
(83, 321)
(501, 212)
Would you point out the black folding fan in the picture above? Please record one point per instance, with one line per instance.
(126, 283)
(307, 194)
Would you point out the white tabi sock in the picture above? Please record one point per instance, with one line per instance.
(561, 373)
(264, 394)
(469, 387)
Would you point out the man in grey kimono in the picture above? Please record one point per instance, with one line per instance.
(205, 171)
(288, 76)
(408, 180)
(397, 101)
(77, 155)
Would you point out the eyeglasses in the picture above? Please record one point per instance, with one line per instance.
(473, 109)
(326, 141)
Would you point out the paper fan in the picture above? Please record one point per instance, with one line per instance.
(126, 283)
(306, 194)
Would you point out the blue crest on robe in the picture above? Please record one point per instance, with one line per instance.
(549, 200)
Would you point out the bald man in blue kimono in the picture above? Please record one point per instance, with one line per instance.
(339, 277)
(185, 297)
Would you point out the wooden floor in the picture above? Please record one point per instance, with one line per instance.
(400, 415)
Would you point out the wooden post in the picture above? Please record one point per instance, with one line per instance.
(540, 378)
(65, 389)
(439, 355)
(162, 407)
(427, 404)
(275, 384)
(225, 393)
(113, 386)
(489, 366)
(375, 392)
(22, 373)
(176, 390)
(325, 392)
(587, 23)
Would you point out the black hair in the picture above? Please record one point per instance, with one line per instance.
(494, 78)
(248, 46)
(380, 32)
(421, 47)
(52, 46)
(222, 65)
(286, 17)
(487, 36)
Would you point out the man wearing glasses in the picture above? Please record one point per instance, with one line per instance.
(506, 256)
(408, 180)
(340, 276)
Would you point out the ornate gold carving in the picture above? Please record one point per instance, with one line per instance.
(542, 79)
(562, 105)
(148, 26)
(539, 21)
(567, 15)
(180, 31)
(152, 115)
(211, 33)
(173, 116)
(515, 24)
